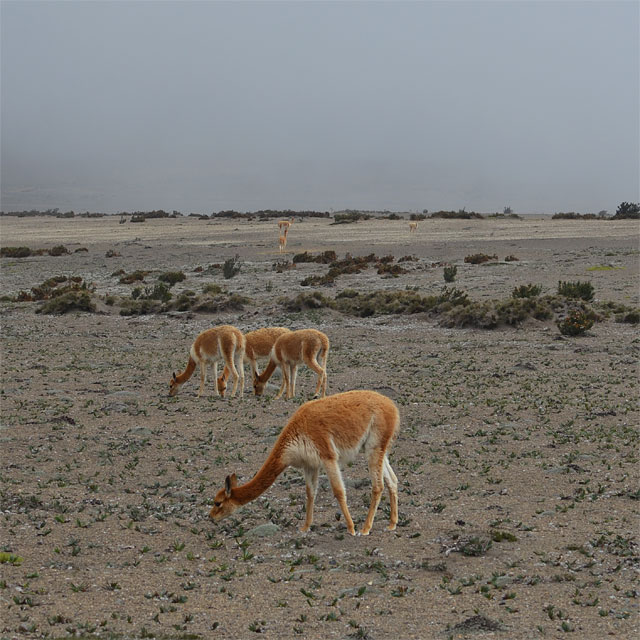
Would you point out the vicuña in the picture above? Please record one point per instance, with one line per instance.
(220, 344)
(326, 433)
(258, 345)
(290, 350)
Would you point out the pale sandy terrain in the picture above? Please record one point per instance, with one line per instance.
(517, 436)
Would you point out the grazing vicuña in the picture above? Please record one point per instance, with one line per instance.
(326, 433)
(220, 344)
(289, 351)
(258, 345)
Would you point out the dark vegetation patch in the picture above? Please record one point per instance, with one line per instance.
(349, 265)
(349, 217)
(460, 214)
(25, 252)
(159, 299)
(479, 258)
(326, 257)
(172, 277)
(134, 276)
(53, 288)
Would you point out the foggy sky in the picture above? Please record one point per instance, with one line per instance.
(204, 106)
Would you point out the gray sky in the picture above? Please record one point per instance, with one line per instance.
(203, 106)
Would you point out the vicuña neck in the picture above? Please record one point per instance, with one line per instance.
(266, 476)
(268, 372)
(186, 374)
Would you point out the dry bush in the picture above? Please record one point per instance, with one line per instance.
(479, 258)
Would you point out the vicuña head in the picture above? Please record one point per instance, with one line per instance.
(324, 433)
(258, 345)
(291, 349)
(220, 344)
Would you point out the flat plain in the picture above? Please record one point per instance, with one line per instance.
(517, 457)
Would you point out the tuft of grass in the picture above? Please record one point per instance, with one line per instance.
(579, 290)
(10, 558)
(527, 291)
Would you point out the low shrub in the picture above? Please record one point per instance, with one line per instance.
(54, 287)
(460, 214)
(58, 250)
(212, 288)
(326, 257)
(631, 317)
(577, 289)
(575, 324)
(479, 258)
(450, 273)
(172, 277)
(349, 217)
(15, 252)
(231, 267)
(135, 276)
(527, 291)
(512, 259)
(74, 300)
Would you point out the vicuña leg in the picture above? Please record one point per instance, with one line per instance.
(335, 478)
(376, 466)
(203, 376)
(392, 485)
(311, 480)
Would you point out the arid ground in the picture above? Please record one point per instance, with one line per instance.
(517, 457)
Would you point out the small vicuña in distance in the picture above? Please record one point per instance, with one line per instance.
(219, 344)
(326, 433)
(293, 349)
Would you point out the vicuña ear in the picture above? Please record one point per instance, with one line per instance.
(174, 375)
(229, 483)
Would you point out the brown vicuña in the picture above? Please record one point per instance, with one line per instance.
(325, 433)
(289, 351)
(258, 345)
(283, 225)
(220, 344)
(413, 226)
(282, 242)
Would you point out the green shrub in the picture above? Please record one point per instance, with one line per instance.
(231, 267)
(15, 252)
(160, 291)
(527, 291)
(577, 289)
(172, 277)
(575, 324)
(450, 273)
(69, 301)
